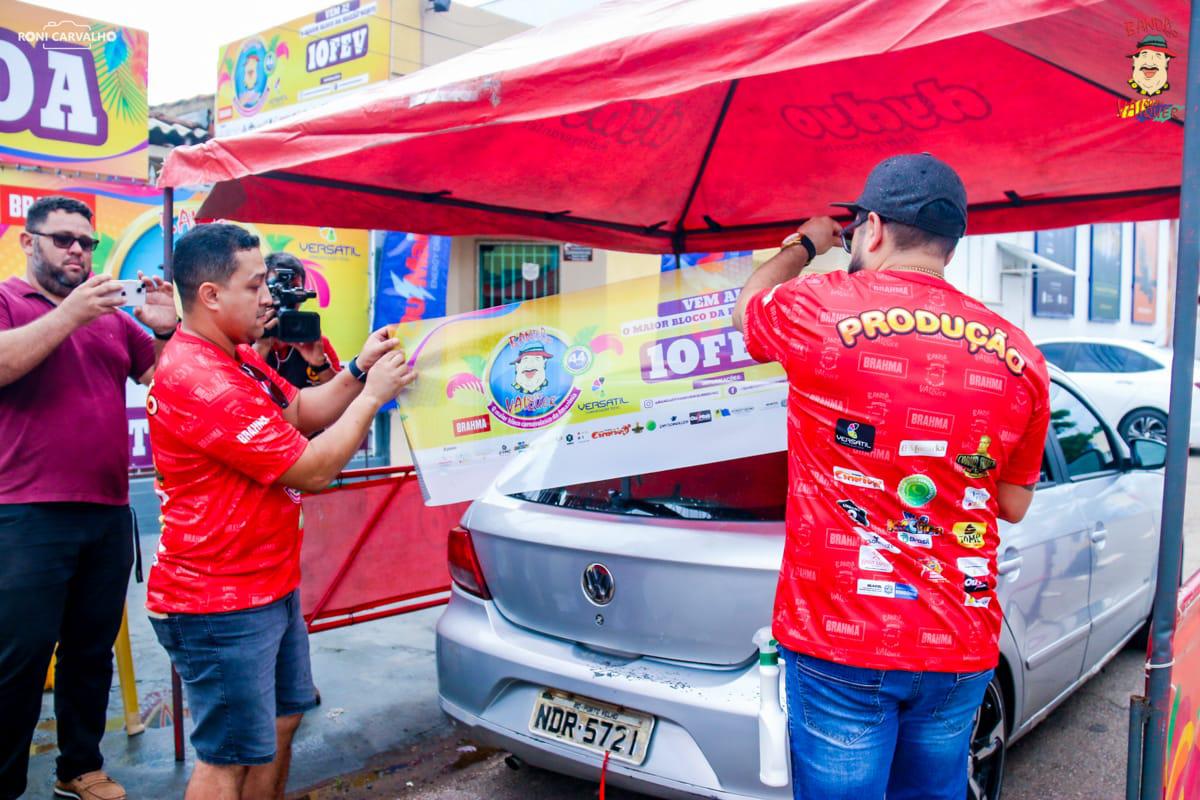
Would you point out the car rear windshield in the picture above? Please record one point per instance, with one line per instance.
(748, 489)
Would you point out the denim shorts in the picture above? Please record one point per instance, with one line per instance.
(240, 670)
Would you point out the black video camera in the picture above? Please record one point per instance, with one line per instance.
(293, 325)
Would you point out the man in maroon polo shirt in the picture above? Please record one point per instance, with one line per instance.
(65, 531)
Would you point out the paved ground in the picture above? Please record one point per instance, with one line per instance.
(380, 729)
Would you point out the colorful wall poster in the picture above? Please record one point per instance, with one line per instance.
(669, 262)
(637, 376)
(337, 265)
(292, 67)
(1104, 284)
(1182, 778)
(74, 92)
(1145, 272)
(411, 274)
(1054, 292)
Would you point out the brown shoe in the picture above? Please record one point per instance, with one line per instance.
(90, 786)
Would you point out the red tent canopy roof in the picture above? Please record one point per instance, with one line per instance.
(707, 125)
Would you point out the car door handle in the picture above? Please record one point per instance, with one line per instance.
(1099, 533)
(1009, 565)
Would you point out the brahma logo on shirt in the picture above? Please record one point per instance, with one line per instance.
(253, 429)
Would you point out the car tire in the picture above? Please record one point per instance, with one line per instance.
(1145, 423)
(989, 745)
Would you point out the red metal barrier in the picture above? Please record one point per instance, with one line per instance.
(372, 549)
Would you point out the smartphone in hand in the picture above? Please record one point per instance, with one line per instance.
(133, 292)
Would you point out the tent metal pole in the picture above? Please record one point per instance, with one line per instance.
(1170, 549)
(168, 229)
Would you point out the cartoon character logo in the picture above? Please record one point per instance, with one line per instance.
(1150, 61)
(528, 382)
(250, 77)
(931, 570)
(913, 524)
(530, 377)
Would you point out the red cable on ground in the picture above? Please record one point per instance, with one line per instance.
(603, 772)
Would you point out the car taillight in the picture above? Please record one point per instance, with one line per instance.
(464, 564)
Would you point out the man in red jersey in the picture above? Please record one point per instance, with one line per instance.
(916, 417)
(231, 456)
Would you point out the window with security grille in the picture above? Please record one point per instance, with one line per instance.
(510, 272)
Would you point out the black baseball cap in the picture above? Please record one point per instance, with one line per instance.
(917, 190)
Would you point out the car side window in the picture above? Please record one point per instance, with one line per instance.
(1058, 354)
(1099, 358)
(1085, 442)
(1136, 362)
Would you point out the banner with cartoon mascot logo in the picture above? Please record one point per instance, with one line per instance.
(632, 377)
(289, 68)
(74, 92)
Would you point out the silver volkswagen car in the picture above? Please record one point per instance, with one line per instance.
(617, 616)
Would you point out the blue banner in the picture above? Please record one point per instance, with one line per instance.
(692, 259)
(410, 278)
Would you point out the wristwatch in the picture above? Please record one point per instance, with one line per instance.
(801, 239)
(355, 371)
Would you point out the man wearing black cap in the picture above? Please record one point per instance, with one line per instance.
(916, 417)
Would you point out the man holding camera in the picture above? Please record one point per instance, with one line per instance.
(65, 527)
(302, 364)
(231, 458)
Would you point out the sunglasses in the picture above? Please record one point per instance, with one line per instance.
(63, 241)
(848, 231)
(269, 385)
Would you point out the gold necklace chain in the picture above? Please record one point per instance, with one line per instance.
(927, 270)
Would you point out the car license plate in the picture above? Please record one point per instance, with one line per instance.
(592, 725)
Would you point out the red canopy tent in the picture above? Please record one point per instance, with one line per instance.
(694, 125)
(673, 125)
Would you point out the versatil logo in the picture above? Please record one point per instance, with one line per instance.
(855, 435)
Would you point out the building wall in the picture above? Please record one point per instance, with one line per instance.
(446, 34)
(977, 270)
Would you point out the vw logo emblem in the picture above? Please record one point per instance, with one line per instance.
(598, 585)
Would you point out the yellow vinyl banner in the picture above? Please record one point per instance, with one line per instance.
(301, 64)
(632, 377)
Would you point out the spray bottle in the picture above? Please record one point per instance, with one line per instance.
(773, 756)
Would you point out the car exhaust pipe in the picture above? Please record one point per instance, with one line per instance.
(513, 763)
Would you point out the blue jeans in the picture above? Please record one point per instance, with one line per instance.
(240, 670)
(863, 734)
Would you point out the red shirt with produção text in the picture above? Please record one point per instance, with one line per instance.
(230, 535)
(908, 403)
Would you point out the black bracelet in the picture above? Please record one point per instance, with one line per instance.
(355, 371)
(808, 245)
(164, 337)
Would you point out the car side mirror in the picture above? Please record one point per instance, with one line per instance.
(1147, 453)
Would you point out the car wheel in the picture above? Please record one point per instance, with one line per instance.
(989, 739)
(1144, 423)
